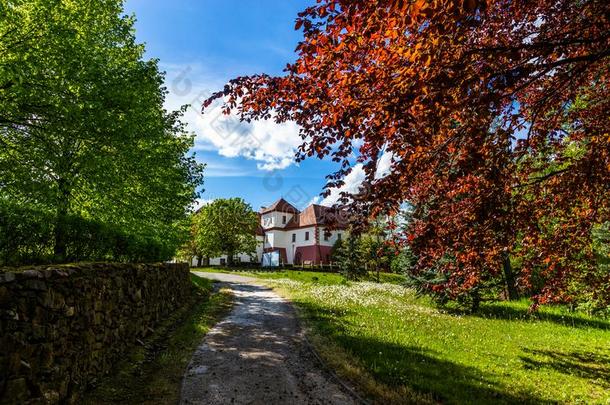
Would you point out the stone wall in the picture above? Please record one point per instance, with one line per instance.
(63, 326)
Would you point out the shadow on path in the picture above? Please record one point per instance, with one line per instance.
(256, 355)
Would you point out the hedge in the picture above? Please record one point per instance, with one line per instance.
(27, 237)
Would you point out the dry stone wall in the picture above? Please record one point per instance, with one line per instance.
(61, 327)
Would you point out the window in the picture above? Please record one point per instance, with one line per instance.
(338, 236)
(326, 235)
(307, 235)
(283, 219)
(294, 237)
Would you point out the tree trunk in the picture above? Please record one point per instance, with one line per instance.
(476, 301)
(230, 259)
(199, 260)
(509, 277)
(60, 231)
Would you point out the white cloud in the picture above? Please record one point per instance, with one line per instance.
(200, 202)
(316, 200)
(213, 169)
(352, 183)
(272, 146)
(384, 165)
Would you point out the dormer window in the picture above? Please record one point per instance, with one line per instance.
(284, 219)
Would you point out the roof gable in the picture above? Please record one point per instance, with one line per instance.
(280, 205)
(316, 215)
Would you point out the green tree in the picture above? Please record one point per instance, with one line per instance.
(347, 253)
(190, 249)
(83, 129)
(226, 226)
(374, 248)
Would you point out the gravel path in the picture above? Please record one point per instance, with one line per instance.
(256, 355)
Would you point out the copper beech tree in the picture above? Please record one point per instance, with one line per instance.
(495, 113)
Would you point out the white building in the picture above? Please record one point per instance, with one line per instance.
(300, 237)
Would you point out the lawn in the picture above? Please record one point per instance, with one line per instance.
(401, 348)
(300, 275)
(152, 374)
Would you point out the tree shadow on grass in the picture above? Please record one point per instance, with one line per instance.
(587, 365)
(415, 368)
(506, 312)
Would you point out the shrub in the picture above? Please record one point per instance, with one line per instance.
(27, 237)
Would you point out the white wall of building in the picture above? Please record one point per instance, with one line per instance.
(275, 219)
(283, 239)
(333, 237)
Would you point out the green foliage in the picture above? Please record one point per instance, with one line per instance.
(348, 256)
(594, 298)
(601, 243)
(403, 262)
(26, 237)
(190, 249)
(83, 130)
(375, 253)
(356, 255)
(428, 282)
(226, 226)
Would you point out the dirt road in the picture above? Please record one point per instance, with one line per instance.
(256, 355)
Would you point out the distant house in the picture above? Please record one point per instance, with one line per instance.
(300, 237)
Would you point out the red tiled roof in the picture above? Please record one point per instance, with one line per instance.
(259, 228)
(310, 216)
(317, 215)
(260, 231)
(280, 205)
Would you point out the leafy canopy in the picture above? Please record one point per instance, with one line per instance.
(83, 130)
(226, 226)
(479, 104)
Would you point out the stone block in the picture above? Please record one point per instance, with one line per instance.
(32, 274)
(66, 326)
(16, 391)
(39, 285)
(7, 277)
(5, 296)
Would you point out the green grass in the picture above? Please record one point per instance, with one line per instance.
(152, 374)
(300, 275)
(399, 348)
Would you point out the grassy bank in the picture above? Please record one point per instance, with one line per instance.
(400, 348)
(152, 374)
(300, 275)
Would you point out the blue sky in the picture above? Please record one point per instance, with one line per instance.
(201, 45)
